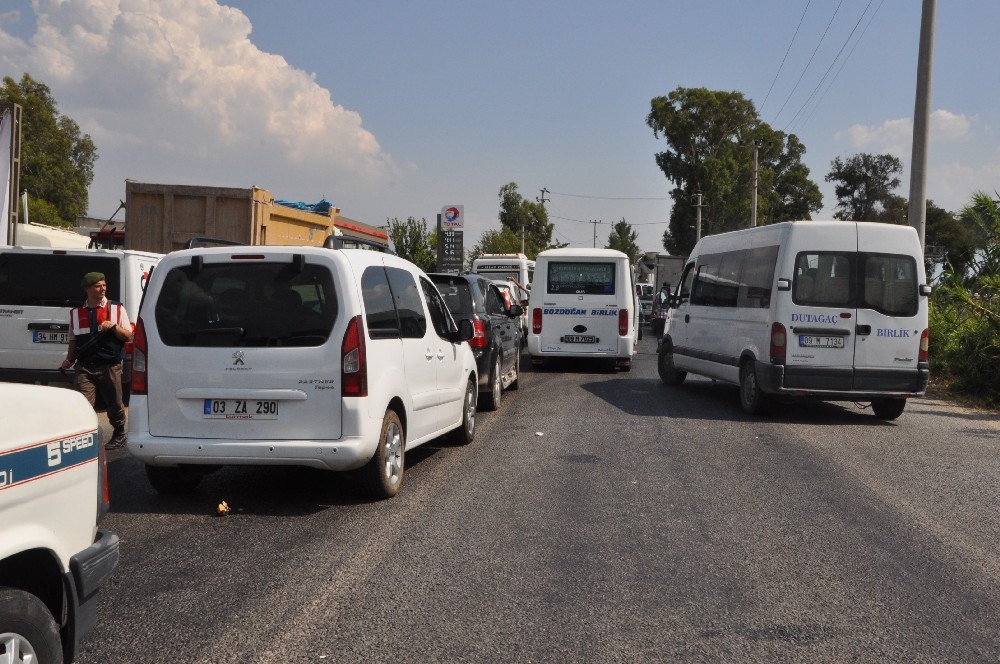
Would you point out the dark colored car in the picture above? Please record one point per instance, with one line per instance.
(497, 340)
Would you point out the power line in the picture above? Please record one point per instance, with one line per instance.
(613, 198)
(812, 95)
(811, 57)
(785, 57)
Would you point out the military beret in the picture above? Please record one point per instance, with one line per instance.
(91, 278)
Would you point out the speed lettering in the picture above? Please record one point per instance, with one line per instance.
(6, 477)
(56, 449)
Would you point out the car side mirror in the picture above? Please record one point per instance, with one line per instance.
(515, 310)
(465, 330)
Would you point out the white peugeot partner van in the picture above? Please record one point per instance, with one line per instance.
(583, 304)
(830, 310)
(39, 286)
(267, 355)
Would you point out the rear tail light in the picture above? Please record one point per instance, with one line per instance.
(354, 361)
(139, 359)
(623, 322)
(925, 344)
(536, 321)
(103, 492)
(779, 343)
(478, 339)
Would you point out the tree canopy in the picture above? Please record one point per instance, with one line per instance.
(623, 238)
(414, 242)
(864, 185)
(57, 160)
(523, 216)
(503, 241)
(710, 137)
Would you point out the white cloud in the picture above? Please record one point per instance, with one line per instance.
(896, 136)
(175, 91)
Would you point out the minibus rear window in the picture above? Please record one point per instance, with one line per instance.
(581, 277)
(53, 280)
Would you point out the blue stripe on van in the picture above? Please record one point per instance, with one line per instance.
(37, 461)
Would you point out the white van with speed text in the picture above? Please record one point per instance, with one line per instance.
(828, 310)
(583, 304)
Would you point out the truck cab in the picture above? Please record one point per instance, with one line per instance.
(53, 493)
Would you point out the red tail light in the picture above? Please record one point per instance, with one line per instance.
(354, 361)
(623, 322)
(478, 339)
(103, 492)
(779, 343)
(139, 357)
(925, 345)
(536, 321)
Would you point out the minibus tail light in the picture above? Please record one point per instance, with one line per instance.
(536, 320)
(354, 361)
(925, 344)
(779, 343)
(623, 322)
(139, 359)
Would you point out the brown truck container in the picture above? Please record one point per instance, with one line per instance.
(164, 217)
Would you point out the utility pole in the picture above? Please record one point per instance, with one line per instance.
(697, 227)
(753, 202)
(538, 199)
(921, 122)
(595, 222)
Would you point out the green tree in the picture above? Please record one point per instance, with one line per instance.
(981, 217)
(414, 242)
(57, 161)
(864, 185)
(711, 138)
(523, 216)
(503, 241)
(623, 238)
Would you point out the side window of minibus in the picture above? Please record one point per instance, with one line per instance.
(684, 293)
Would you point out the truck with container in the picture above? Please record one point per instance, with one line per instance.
(166, 217)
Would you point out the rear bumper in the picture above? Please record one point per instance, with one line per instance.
(345, 453)
(88, 570)
(843, 384)
(39, 376)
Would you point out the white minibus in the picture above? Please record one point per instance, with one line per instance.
(506, 267)
(583, 304)
(829, 310)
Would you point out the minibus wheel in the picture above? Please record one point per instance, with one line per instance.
(752, 399)
(665, 366)
(887, 408)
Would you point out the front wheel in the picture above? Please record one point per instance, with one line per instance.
(888, 409)
(665, 366)
(464, 434)
(28, 632)
(752, 399)
(383, 475)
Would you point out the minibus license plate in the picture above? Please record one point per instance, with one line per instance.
(240, 409)
(579, 339)
(50, 337)
(810, 341)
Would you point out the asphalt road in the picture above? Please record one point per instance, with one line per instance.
(597, 517)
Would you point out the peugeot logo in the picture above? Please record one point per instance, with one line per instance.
(238, 358)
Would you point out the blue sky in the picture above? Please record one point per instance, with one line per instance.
(394, 109)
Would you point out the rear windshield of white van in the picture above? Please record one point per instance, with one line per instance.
(246, 305)
(886, 283)
(581, 277)
(52, 280)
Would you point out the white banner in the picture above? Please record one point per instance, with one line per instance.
(6, 136)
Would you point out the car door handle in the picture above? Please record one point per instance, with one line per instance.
(687, 318)
(429, 354)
